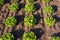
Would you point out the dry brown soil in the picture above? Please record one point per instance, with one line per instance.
(42, 32)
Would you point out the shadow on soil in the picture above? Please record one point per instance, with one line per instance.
(37, 6)
(56, 34)
(57, 18)
(38, 32)
(51, 0)
(21, 6)
(19, 1)
(38, 17)
(19, 18)
(54, 7)
(7, 1)
(17, 33)
(35, 0)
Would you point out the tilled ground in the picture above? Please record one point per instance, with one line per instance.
(42, 32)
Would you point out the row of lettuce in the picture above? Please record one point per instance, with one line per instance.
(29, 20)
(26, 36)
(49, 20)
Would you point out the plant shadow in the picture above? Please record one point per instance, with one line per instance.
(17, 33)
(37, 6)
(38, 32)
(19, 18)
(21, 6)
(7, 1)
(35, 0)
(56, 18)
(54, 7)
(19, 1)
(38, 17)
(51, 0)
(56, 34)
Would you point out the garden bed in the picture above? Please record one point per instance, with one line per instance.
(42, 32)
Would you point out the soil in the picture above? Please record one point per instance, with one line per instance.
(42, 31)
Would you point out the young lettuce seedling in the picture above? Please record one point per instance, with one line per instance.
(13, 7)
(10, 21)
(7, 36)
(29, 8)
(48, 9)
(46, 0)
(1, 2)
(29, 20)
(50, 21)
(55, 38)
(29, 36)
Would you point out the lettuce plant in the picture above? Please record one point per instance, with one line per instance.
(50, 21)
(48, 9)
(13, 7)
(46, 0)
(1, 2)
(29, 8)
(29, 36)
(10, 21)
(55, 38)
(31, 1)
(7, 36)
(29, 20)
